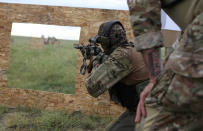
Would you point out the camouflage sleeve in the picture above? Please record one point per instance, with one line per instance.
(146, 23)
(115, 68)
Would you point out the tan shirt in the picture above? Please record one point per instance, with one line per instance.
(140, 72)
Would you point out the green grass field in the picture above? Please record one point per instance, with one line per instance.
(33, 119)
(51, 69)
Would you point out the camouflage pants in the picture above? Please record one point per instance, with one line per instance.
(176, 102)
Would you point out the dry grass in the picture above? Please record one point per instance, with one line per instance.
(32, 119)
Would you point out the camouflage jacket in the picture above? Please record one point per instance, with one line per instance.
(178, 90)
(187, 59)
(124, 65)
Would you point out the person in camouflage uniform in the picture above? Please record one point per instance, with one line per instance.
(173, 100)
(121, 73)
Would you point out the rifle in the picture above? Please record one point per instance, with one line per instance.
(88, 51)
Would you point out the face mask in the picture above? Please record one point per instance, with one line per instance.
(105, 42)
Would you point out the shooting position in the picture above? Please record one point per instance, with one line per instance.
(116, 68)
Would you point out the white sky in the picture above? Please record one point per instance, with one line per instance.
(66, 32)
(102, 4)
(37, 30)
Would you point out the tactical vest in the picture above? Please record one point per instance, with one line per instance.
(168, 3)
(182, 11)
(125, 92)
(127, 96)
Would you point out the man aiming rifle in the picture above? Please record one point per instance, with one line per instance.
(123, 73)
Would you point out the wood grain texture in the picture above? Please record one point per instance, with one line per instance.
(89, 20)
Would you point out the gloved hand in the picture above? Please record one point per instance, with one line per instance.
(99, 59)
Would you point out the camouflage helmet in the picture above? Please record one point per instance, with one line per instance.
(110, 34)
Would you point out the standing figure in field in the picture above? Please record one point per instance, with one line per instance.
(173, 99)
(46, 41)
(123, 73)
(50, 40)
(54, 41)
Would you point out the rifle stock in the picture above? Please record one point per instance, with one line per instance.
(90, 66)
